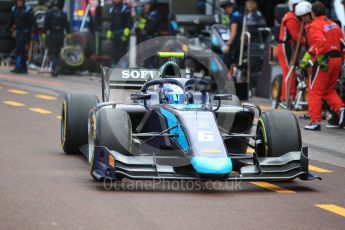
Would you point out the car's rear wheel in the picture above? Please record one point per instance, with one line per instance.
(74, 121)
(280, 133)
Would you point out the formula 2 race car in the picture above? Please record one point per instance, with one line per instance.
(176, 130)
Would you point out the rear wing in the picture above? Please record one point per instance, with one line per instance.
(130, 78)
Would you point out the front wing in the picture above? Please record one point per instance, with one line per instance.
(108, 164)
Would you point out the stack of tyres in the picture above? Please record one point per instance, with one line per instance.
(84, 40)
(72, 59)
(38, 47)
(7, 43)
(79, 50)
(79, 46)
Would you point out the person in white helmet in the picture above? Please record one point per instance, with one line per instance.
(326, 41)
(288, 36)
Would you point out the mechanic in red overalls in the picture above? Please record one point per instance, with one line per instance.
(326, 50)
(288, 36)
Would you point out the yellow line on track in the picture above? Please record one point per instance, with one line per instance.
(17, 91)
(13, 103)
(30, 80)
(273, 187)
(332, 208)
(45, 97)
(317, 169)
(42, 111)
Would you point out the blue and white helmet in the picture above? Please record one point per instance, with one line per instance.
(172, 94)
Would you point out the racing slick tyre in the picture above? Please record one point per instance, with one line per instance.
(111, 128)
(6, 5)
(7, 45)
(4, 17)
(74, 121)
(280, 133)
(84, 40)
(39, 13)
(72, 57)
(276, 90)
(3, 33)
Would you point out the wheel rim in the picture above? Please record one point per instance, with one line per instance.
(63, 124)
(92, 136)
(261, 135)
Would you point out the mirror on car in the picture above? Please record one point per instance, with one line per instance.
(221, 97)
(140, 96)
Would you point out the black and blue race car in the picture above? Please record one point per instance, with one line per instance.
(176, 130)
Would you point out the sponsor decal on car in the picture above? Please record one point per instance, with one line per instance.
(138, 74)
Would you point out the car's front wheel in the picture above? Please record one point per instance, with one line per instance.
(74, 121)
(111, 128)
(279, 132)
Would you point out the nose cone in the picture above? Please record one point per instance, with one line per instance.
(207, 165)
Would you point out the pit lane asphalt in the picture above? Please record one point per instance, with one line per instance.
(42, 188)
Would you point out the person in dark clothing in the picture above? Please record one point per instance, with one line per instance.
(232, 48)
(201, 6)
(149, 24)
(121, 24)
(254, 17)
(55, 25)
(98, 17)
(23, 18)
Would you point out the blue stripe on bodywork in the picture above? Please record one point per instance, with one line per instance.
(187, 106)
(181, 138)
(207, 165)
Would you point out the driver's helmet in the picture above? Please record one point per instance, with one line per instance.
(172, 94)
